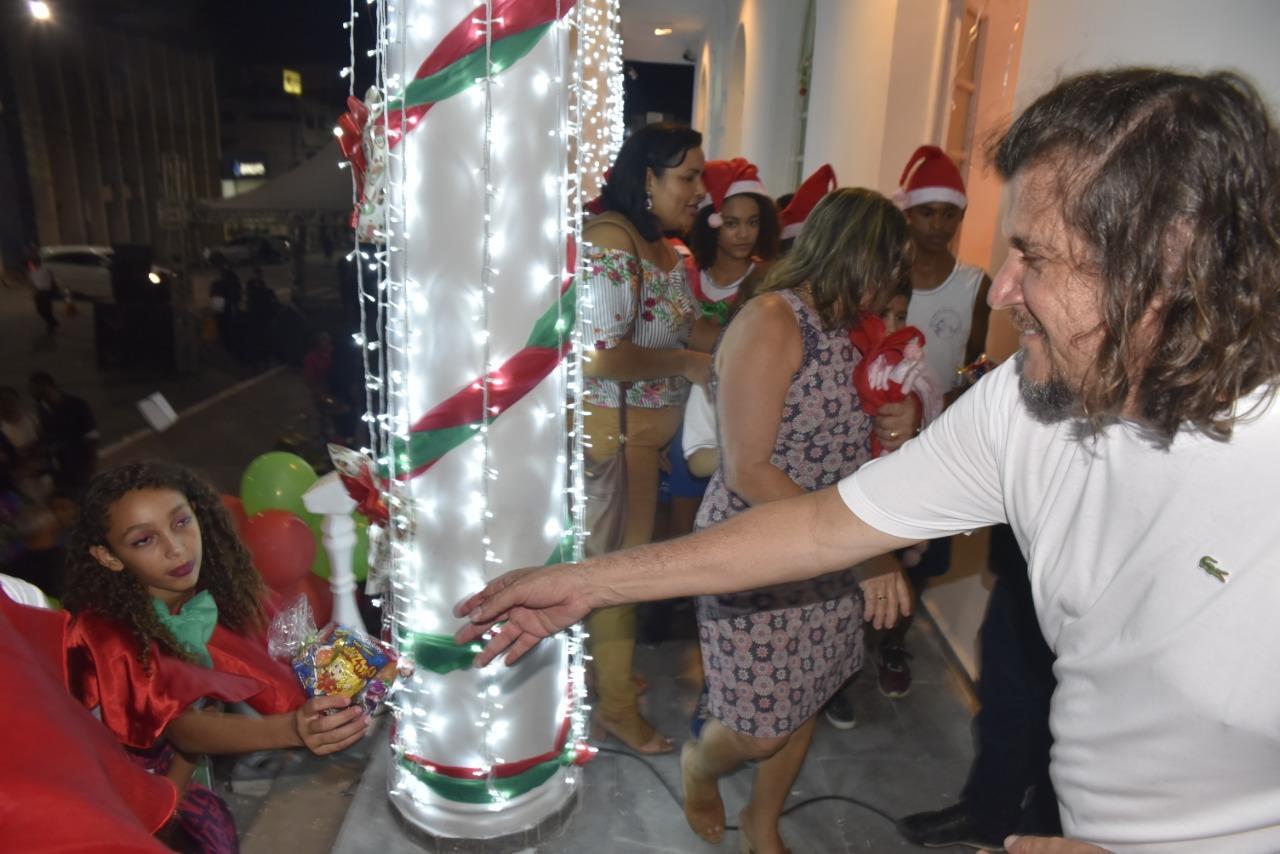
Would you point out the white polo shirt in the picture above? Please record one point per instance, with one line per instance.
(1166, 718)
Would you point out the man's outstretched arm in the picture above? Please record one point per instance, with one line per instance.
(781, 541)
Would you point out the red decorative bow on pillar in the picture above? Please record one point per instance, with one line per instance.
(351, 127)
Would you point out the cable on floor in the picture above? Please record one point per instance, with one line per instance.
(675, 796)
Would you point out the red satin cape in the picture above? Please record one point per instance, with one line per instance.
(67, 783)
(137, 703)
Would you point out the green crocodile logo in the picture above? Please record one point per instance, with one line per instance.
(1211, 568)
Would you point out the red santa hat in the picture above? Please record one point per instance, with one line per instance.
(806, 198)
(725, 178)
(930, 176)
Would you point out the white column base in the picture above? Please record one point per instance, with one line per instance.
(514, 825)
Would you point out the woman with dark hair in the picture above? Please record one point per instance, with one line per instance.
(790, 423)
(648, 347)
(734, 238)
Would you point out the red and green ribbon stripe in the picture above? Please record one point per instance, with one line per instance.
(502, 782)
(462, 57)
(457, 419)
(441, 653)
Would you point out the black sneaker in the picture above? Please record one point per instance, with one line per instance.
(839, 712)
(946, 827)
(895, 669)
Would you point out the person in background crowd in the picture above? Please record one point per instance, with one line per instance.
(790, 423)
(648, 344)
(70, 433)
(261, 306)
(1008, 790)
(316, 367)
(949, 305)
(733, 240)
(45, 290)
(21, 428)
(699, 437)
(326, 243)
(793, 213)
(224, 299)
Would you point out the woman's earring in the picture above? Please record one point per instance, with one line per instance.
(648, 201)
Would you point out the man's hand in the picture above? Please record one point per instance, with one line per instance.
(886, 595)
(531, 604)
(895, 423)
(323, 734)
(1049, 845)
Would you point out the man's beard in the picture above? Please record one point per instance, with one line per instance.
(1050, 401)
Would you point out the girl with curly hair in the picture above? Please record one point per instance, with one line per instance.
(168, 621)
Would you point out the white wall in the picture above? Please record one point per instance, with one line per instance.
(771, 114)
(1200, 35)
(849, 94)
(1063, 38)
(916, 76)
(755, 114)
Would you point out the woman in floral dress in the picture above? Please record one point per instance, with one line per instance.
(641, 321)
(789, 423)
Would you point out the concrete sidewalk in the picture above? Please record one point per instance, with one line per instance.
(220, 436)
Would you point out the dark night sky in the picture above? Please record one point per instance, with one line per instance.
(284, 32)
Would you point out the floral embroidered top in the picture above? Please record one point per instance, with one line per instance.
(663, 320)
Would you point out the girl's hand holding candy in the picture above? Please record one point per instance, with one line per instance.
(328, 724)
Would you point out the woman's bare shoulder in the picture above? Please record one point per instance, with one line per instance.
(604, 233)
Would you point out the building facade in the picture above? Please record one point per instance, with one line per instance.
(117, 134)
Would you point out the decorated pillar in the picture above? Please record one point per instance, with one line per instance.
(467, 156)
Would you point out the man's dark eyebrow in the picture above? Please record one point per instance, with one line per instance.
(1022, 245)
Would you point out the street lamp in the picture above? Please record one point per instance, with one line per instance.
(40, 10)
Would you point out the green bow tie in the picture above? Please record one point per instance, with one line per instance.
(717, 311)
(193, 625)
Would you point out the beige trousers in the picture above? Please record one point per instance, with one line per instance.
(613, 630)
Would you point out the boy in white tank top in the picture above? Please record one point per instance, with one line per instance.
(949, 303)
(948, 298)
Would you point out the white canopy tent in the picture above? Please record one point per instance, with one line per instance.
(317, 185)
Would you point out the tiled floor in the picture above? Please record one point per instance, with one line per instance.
(904, 756)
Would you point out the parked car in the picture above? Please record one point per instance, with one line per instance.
(250, 249)
(85, 271)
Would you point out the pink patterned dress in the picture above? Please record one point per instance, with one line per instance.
(774, 656)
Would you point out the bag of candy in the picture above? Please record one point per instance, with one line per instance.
(335, 660)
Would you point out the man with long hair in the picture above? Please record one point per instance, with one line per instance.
(1131, 447)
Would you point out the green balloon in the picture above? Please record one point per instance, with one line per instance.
(276, 481)
(359, 556)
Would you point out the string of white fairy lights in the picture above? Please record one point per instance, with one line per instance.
(489, 692)
(596, 135)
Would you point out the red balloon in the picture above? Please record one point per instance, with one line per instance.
(236, 508)
(282, 547)
(319, 597)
